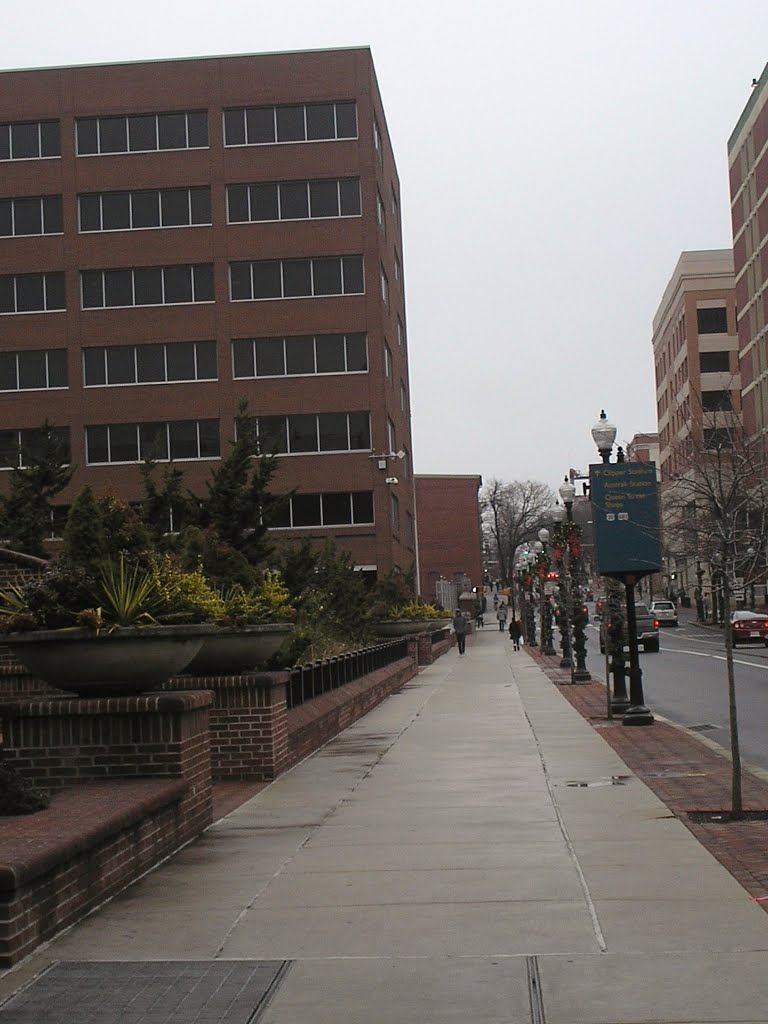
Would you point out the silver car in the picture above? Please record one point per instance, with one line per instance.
(665, 612)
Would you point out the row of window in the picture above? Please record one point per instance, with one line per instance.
(187, 283)
(293, 200)
(147, 286)
(183, 207)
(161, 363)
(289, 279)
(39, 215)
(315, 432)
(199, 439)
(13, 443)
(340, 508)
(145, 133)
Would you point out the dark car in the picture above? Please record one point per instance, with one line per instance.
(749, 627)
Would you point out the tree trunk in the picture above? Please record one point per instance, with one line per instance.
(736, 797)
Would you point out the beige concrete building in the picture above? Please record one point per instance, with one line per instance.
(696, 357)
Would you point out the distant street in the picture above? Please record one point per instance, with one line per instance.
(686, 683)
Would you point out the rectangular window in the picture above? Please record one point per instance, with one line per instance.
(398, 268)
(34, 370)
(150, 286)
(403, 397)
(712, 321)
(308, 433)
(306, 354)
(149, 364)
(16, 444)
(263, 126)
(377, 141)
(132, 442)
(716, 401)
(124, 211)
(391, 438)
(717, 437)
(387, 362)
(380, 217)
(29, 140)
(400, 333)
(293, 200)
(714, 362)
(41, 215)
(284, 279)
(384, 288)
(141, 133)
(32, 293)
(334, 508)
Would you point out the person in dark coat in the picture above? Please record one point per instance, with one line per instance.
(460, 629)
(515, 633)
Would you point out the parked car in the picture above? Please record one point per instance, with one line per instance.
(647, 630)
(665, 612)
(748, 627)
(599, 605)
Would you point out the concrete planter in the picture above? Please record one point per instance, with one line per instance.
(230, 651)
(129, 660)
(404, 627)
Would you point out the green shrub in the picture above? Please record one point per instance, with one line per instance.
(17, 795)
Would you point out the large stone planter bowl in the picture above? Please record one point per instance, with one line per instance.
(230, 651)
(403, 627)
(127, 661)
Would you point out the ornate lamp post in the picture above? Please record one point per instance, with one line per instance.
(604, 435)
(562, 557)
(545, 609)
(567, 494)
(527, 613)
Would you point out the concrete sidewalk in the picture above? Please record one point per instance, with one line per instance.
(471, 851)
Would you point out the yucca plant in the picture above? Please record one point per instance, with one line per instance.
(127, 595)
(12, 600)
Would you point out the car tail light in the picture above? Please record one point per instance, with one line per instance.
(655, 623)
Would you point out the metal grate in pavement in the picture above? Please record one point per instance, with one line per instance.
(150, 992)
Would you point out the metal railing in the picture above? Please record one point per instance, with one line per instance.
(316, 677)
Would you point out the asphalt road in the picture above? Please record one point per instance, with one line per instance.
(686, 683)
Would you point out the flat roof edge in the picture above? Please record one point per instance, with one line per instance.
(179, 60)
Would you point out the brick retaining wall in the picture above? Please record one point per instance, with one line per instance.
(93, 841)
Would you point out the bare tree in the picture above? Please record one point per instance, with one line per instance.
(715, 511)
(512, 512)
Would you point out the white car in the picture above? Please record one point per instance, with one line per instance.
(665, 612)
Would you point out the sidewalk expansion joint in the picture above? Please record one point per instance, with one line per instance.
(535, 995)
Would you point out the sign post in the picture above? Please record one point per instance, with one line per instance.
(625, 515)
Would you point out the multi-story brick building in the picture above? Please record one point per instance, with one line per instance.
(178, 235)
(695, 350)
(450, 538)
(748, 170)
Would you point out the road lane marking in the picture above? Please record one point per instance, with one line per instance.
(715, 657)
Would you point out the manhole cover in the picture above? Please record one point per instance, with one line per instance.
(705, 727)
(156, 992)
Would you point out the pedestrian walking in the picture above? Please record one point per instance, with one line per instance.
(515, 632)
(460, 629)
(501, 616)
(479, 621)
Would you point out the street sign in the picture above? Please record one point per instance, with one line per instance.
(625, 514)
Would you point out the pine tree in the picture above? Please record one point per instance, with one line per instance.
(84, 540)
(26, 510)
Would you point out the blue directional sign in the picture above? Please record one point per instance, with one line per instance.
(625, 516)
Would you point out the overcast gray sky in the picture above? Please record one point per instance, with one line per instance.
(554, 158)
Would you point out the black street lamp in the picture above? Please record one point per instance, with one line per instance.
(604, 435)
(557, 515)
(580, 673)
(545, 609)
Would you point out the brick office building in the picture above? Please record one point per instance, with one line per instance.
(748, 171)
(450, 540)
(178, 235)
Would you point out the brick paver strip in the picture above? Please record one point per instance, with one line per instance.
(686, 775)
(155, 992)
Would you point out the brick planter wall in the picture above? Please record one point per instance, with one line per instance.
(92, 841)
(317, 721)
(249, 731)
(65, 741)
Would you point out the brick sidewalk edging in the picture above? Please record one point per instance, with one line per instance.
(685, 774)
